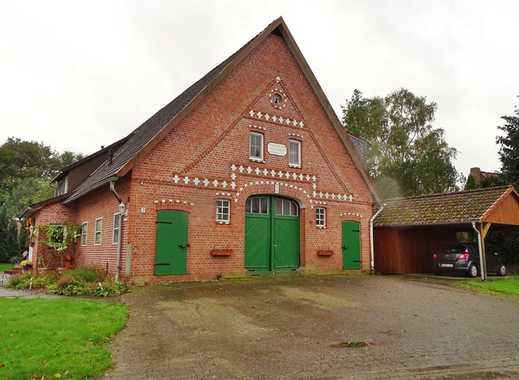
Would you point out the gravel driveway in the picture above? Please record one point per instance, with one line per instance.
(301, 327)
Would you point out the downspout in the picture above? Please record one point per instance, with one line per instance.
(481, 253)
(371, 239)
(122, 211)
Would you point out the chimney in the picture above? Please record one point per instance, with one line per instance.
(476, 174)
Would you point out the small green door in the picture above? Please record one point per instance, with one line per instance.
(171, 243)
(351, 245)
(271, 234)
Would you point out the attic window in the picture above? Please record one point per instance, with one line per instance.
(62, 186)
(277, 99)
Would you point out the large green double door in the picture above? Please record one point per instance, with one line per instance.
(271, 234)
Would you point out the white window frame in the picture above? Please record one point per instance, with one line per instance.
(65, 186)
(320, 217)
(267, 203)
(84, 234)
(118, 229)
(289, 202)
(299, 153)
(220, 213)
(262, 147)
(100, 232)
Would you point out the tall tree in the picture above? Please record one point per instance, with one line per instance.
(509, 147)
(407, 156)
(26, 171)
(9, 244)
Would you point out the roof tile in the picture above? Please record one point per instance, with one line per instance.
(446, 208)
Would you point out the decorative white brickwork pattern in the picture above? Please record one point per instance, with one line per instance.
(272, 173)
(252, 126)
(278, 175)
(275, 184)
(277, 119)
(172, 201)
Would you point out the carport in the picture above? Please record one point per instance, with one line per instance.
(407, 231)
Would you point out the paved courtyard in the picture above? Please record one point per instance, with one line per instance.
(303, 327)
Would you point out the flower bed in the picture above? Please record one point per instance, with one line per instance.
(82, 281)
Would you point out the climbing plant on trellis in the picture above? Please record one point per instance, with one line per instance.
(57, 239)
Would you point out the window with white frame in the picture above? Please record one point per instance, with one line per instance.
(98, 231)
(61, 186)
(320, 217)
(256, 146)
(223, 211)
(84, 233)
(116, 232)
(257, 205)
(294, 153)
(286, 207)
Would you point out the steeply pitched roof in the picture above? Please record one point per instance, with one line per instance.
(141, 136)
(114, 146)
(437, 209)
(156, 127)
(39, 205)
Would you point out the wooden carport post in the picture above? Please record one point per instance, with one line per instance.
(483, 228)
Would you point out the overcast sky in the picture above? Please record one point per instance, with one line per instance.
(78, 75)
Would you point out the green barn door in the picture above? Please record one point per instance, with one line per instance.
(257, 234)
(285, 234)
(271, 234)
(171, 243)
(351, 245)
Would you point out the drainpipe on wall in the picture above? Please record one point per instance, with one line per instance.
(371, 237)
(122, 211)
(481, 252)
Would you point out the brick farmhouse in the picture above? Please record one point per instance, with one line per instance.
(248, 170)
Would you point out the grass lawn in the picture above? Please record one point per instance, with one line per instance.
(5, 266)
(57, 338)
(508, 285)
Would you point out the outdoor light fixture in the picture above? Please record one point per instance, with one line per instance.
(122, 208)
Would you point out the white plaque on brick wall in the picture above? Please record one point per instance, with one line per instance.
(277, 149)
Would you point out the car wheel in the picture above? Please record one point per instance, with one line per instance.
(501, 271)
(473, 271)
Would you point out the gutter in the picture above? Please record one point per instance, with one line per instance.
(371, 239)
(481, 253)
(122, 212)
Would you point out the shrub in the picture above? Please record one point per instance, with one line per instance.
(110, 288)
(19, 281)
(31, 281)
(86, 274)
(74, 288)
(63, 281)
(42, 282)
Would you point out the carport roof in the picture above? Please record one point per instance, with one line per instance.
(494, 204)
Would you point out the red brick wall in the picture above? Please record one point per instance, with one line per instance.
(215, 136)
(55, 213)
(102, 203)
(99, 203)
